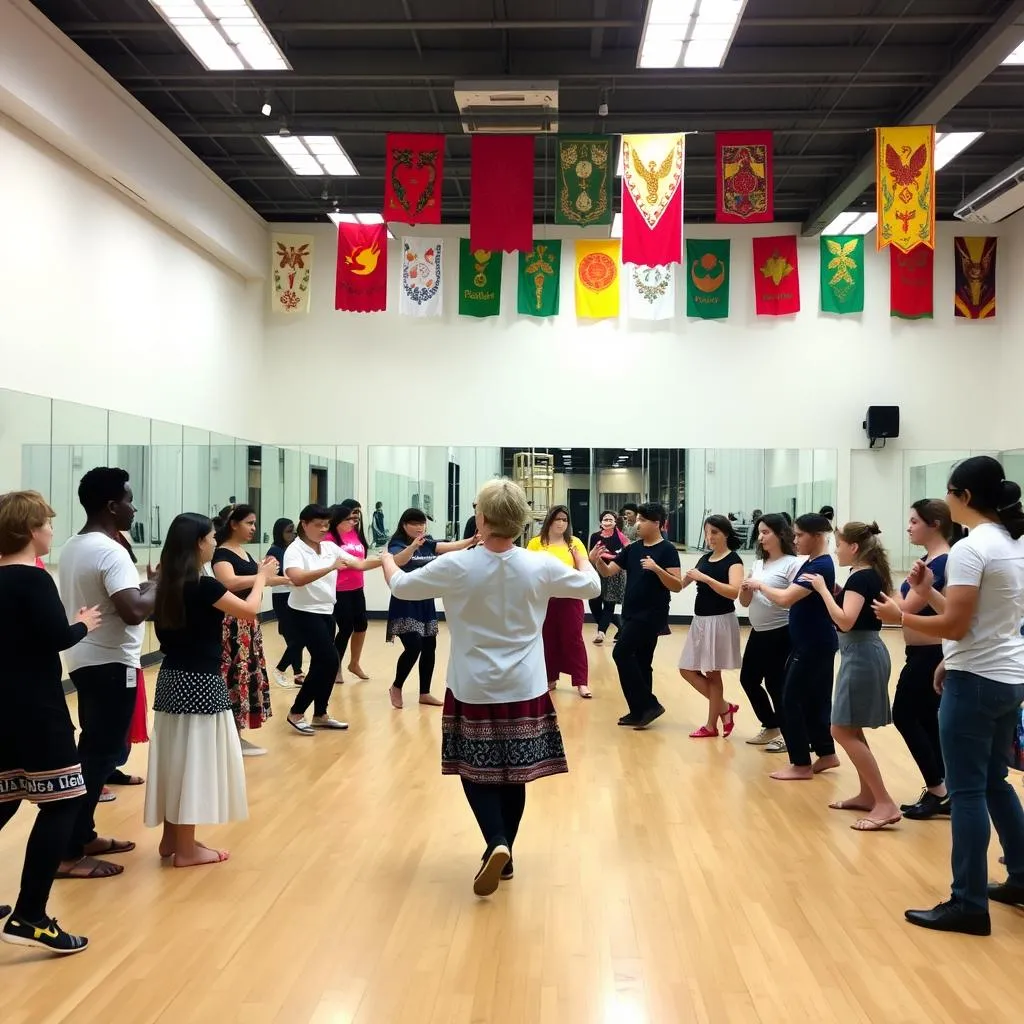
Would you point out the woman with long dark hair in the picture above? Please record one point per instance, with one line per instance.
(564, 650)
(613, 588)
(982, 685)
(283, 535)
(196, 775)
(414, 622)
(713, 639)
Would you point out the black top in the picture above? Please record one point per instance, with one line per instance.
(868, 584)
(613, 544)
(470, 530)
(279, 596)
(938, 568)
(197, 646)
(244, 565)
(647, 598)
(810, 625)
(708, 602)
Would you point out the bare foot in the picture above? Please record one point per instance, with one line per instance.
(88, 867)
(396, 697)
(792, 773)
(202, 855)
(860, 802)
(824, 763)
(429, 698)
(357, 671)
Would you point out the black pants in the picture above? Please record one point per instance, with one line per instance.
(807, 705)
(764, 661)
(349, 616)
(915, 711)
(317, 635)
(105, 707)
(47, 843)
(292, 657)
(604, 614)
(498, 809)
(416, 646)
(634, 658)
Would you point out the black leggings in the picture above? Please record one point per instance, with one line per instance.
(604, 614)
(764, 660)
(498, 809)
(292, 657)
(349, 616)
(416, 646)
(317, 635)
(915, 711)
(807, 705)
(47, 843)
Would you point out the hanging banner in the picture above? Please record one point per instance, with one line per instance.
(479, 281)
(597, 278)
(361, 278)
(539, 278)
(776, 276)
(707, 278)
(501, 192)
(911, 277)
(422, 290)
(975, 274)
(652, 199)
(744, 188)
(291, 265)
(650, 292)
(842, 274)
(414, 168)
(583, 193)
(905, 186)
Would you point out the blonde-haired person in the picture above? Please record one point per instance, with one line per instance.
(861, 698)
(499, 730)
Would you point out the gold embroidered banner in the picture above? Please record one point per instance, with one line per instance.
(291, 266)
(905, 186)
(582, 180)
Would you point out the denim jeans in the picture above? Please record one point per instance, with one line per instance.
(977, 717)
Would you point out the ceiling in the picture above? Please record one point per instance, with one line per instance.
(821, 81)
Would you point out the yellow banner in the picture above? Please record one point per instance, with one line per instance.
(597, 278)
(291, 264)
(905, 186)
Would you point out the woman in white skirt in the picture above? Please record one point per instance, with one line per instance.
(713, 641)
(195, 758)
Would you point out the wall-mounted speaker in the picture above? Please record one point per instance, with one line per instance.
(882, 422)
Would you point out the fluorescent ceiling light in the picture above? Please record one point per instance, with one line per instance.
(949, 145)
(852, 222)
(223, 35)
(1016, 57)
(688, 33)
(313, 154)
(357, 218)
(616, 226)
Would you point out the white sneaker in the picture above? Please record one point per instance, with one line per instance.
(250, 749)
(282, 680)
(777, 746)
(764, 737)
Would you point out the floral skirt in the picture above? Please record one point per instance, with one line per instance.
(244, 669)
(515, 742)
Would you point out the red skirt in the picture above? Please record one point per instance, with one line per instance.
(491, 743)
(137, 731)
(564, 649)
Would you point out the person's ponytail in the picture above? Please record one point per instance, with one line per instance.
(1009, 509)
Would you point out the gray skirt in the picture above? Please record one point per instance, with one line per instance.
(712, 643)
(861, 697)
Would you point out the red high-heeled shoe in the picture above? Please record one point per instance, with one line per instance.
(728, 726)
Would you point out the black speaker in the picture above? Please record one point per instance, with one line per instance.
(883, 421)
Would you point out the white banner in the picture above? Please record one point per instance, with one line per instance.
(651, 292)
(291, 268)
(422, 289)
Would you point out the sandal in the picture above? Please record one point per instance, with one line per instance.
(703, 733)
(114, 846)
(97, 869)
(874, 824)
(727, 727)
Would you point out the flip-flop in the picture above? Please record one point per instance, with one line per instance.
(120, 778)
(116, 846)
(847, 805)
(874, 824)
(97, 869)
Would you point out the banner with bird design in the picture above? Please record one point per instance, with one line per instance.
(361, 278)
(905, 186)
(597, 278)
(583, 194)
(652, 199)
(911, 280)
(776, 276)
(479, 281)
(975, 270)
(291, 266)
(842, 274)
(650, 292)
(501, 192)
(744, 189)
(422, 291)
(413, 174)
(707, 278)
(540, 272)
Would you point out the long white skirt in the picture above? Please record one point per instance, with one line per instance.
(196, 775)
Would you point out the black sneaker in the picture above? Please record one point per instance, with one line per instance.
(507, 874)
(47, 933)
(486, 881)
(649, 716)
(629, 720)
(929, 806)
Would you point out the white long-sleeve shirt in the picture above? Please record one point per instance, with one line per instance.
(495, 603)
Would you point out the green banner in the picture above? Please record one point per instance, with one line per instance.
(479, 281)
(539, 271)
(583, 180)
(842, 274)
(707, 278)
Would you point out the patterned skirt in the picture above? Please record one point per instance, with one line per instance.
(613, 588)
(490, 743)
(244, 669)
(418, 617)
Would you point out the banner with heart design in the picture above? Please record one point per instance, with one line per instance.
(652, 199)
(413, 177)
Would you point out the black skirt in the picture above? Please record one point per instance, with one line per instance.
(38, 755)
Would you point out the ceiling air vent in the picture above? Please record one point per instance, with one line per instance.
(997, 199)
(508, 108)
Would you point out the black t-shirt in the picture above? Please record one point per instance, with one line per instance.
(244, 565)
(196, 647)
(708, 602)
(647, 598)
(810, 625)
(868, 584)
(613, 544)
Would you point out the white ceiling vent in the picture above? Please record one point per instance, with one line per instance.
(997, 199)
(508, 108)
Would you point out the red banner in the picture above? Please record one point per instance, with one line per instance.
(744, 192)
(652, 199)
(501, 192)
(412, 178)
(776, 276)
(911, 276)
(361, 284)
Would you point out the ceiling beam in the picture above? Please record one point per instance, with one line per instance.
(991, 48)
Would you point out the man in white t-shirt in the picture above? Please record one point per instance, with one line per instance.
(96, 568)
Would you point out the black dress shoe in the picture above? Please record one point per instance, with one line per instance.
(929, 806)
(1007, 892)
(649, 716)
(628, 720)
(952, 917)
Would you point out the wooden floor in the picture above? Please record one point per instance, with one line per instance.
(663, 880)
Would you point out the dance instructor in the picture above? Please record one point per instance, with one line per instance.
(499, 729)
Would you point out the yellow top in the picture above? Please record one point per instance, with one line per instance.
(559, 550)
